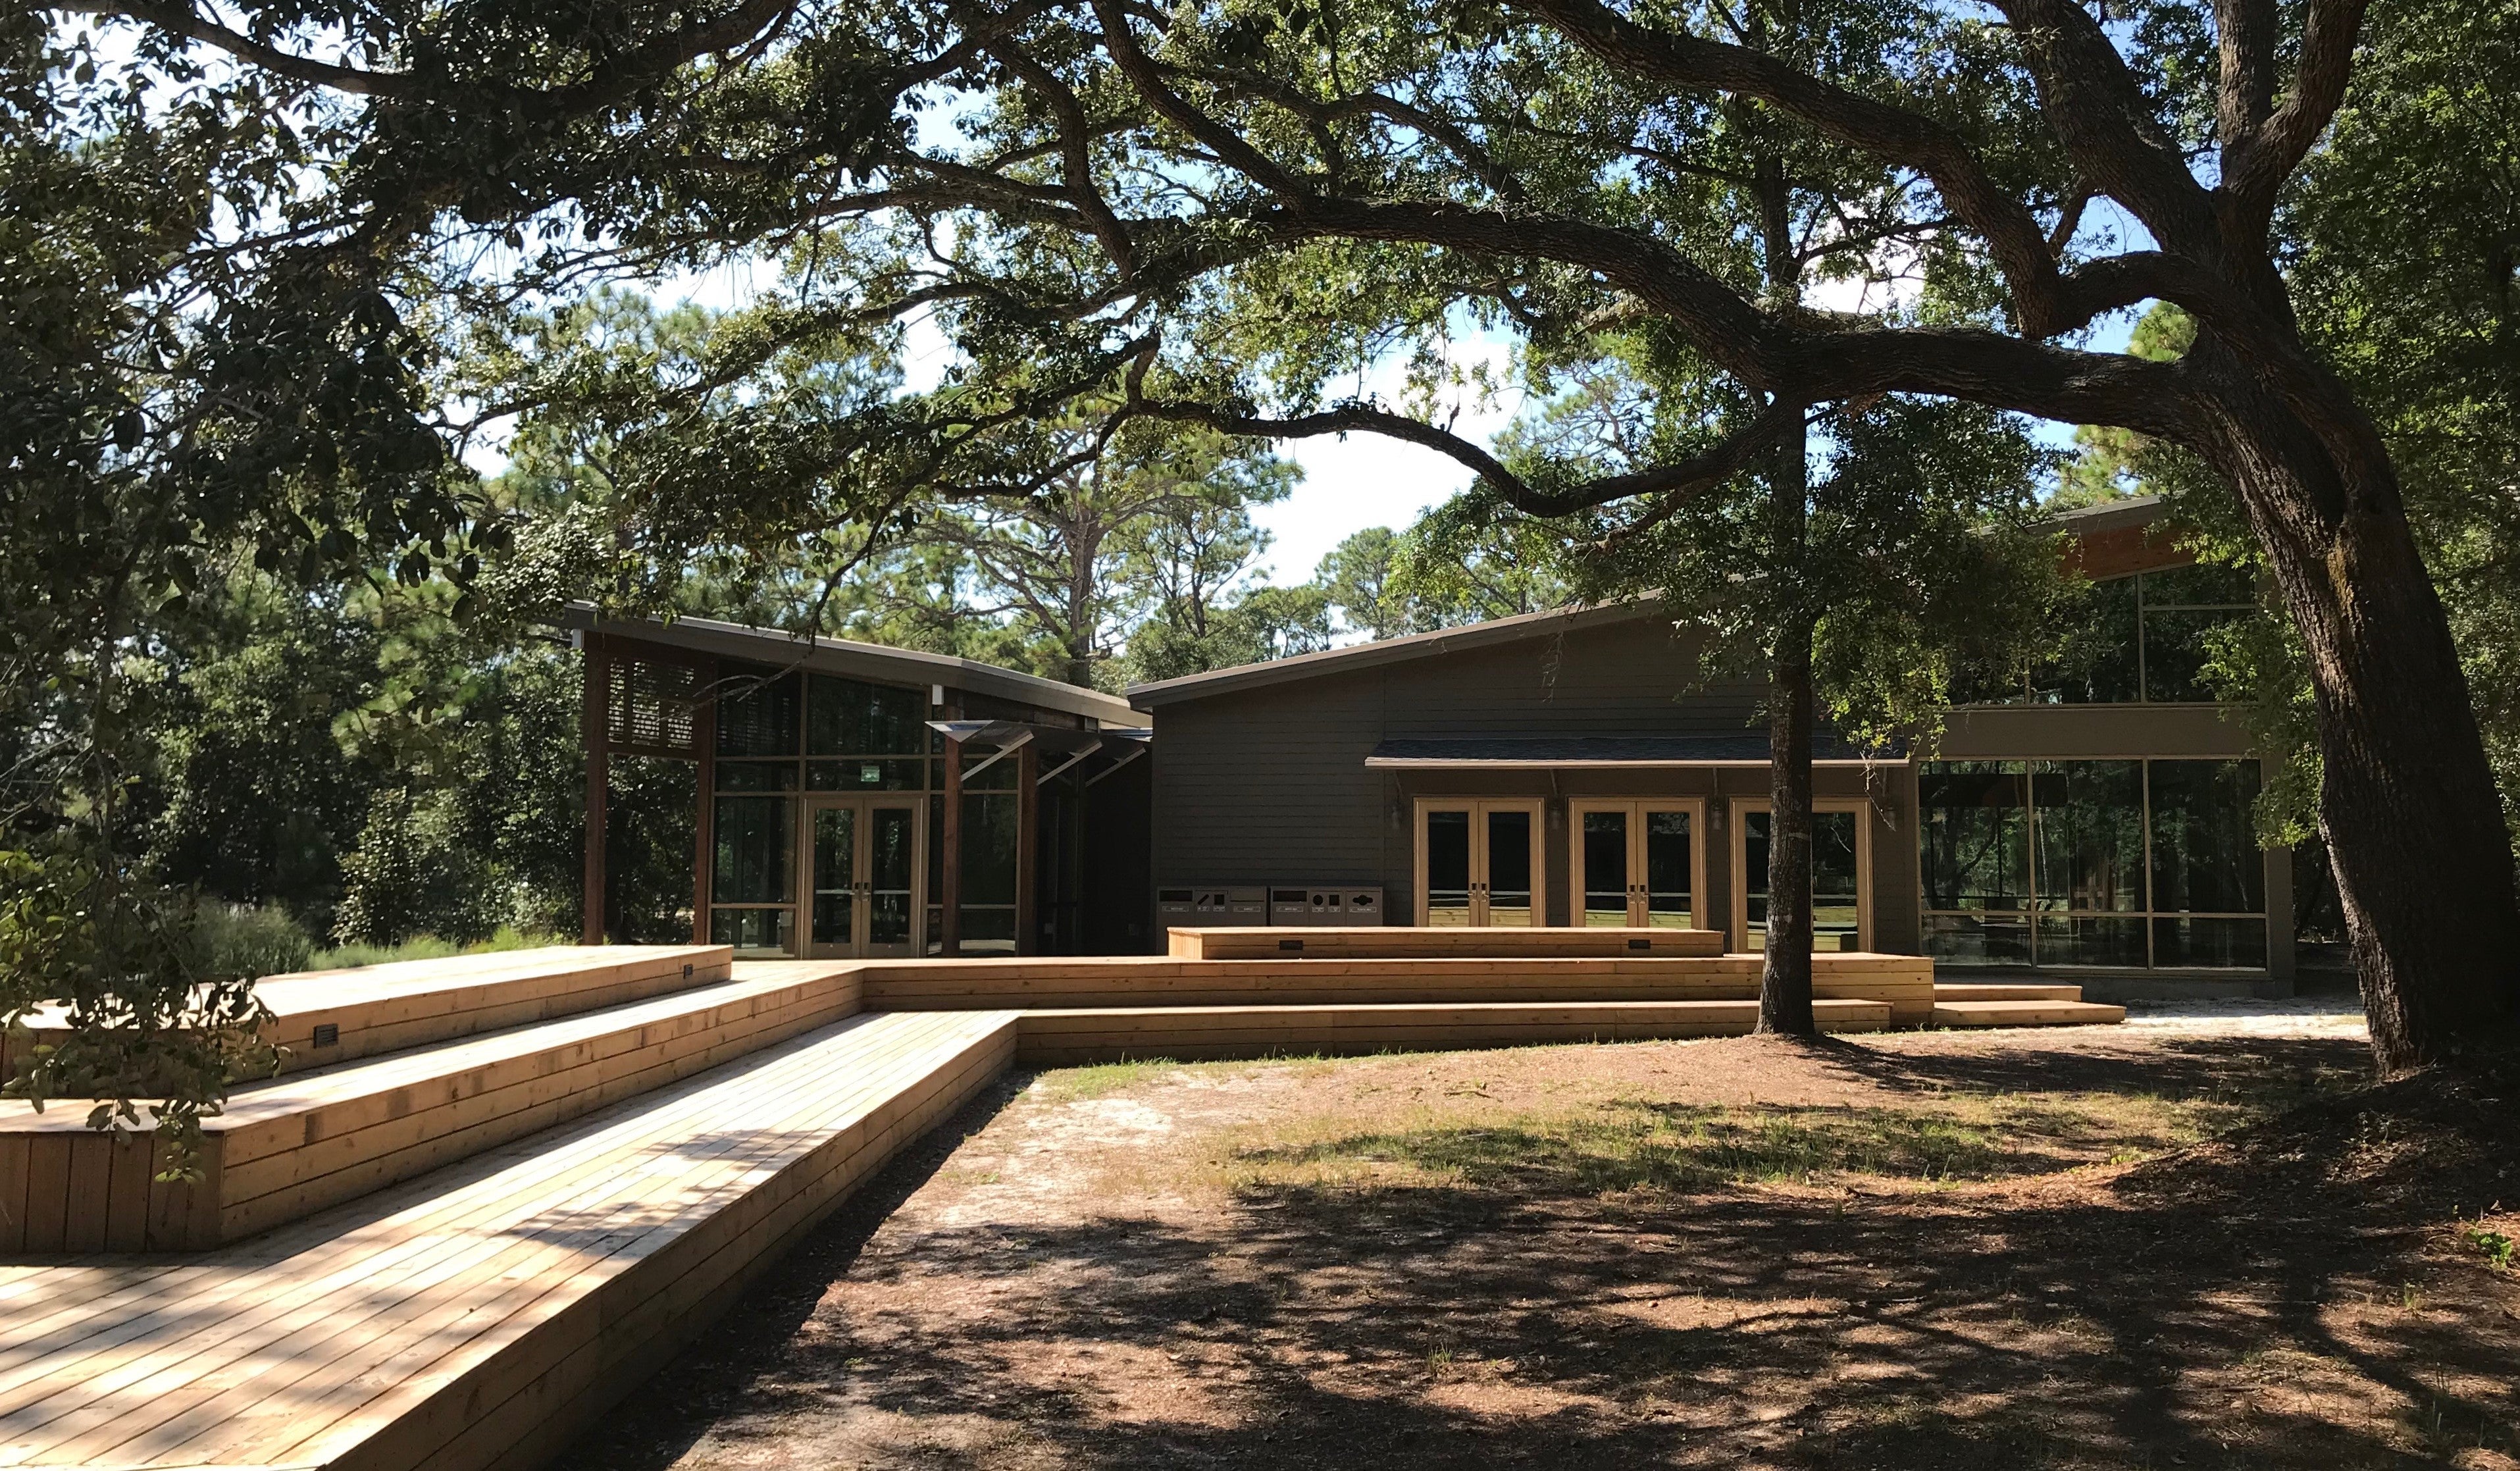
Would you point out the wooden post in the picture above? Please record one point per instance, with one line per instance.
(704, 823)
(595, 721)
(1028, 851)
(950, 902)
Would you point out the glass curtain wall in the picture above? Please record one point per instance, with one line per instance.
(2123, 864)
(2143, 639)
(779, 737)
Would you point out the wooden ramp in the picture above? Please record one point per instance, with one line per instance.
(480, 1316)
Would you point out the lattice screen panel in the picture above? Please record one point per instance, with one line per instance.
(655, 705)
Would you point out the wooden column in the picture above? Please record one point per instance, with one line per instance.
(1028, 849)
(593, 724)
(950, 902)
(704, 823)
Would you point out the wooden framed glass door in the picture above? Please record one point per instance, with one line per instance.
(1841, 873)
(863, 868)
(1479, 862)
(1637, 862)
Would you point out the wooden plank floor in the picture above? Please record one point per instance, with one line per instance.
(288, 1148)
(478, 1315)
(1068, 1036)
(2026, 1014)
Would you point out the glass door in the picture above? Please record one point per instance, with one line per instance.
(1841, 875)
(863, 861)
(1479, 862)
(1635, 862)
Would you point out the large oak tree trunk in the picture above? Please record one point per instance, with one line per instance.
(1785, 971)
(1785, 974)
(2422, 860)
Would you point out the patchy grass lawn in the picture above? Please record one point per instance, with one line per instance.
(2071, 1249)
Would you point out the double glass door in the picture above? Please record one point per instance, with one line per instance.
(1479, 862)
(1841, 873)
(862, 856)
(1636, 863)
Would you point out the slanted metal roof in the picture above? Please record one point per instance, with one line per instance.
(1749, 748)
(1444, 641)
(850, 658)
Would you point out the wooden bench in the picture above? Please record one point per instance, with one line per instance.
(1396, 940)
(324, 1017)
(288, 1148)
(1905, 982)
(484, 1314)
(1110, 1034)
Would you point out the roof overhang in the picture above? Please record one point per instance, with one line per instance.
(1604, 752)
(851, 659)
(1355, 657)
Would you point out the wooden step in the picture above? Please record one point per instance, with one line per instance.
(1396, 940)
(2025, 1014)
(2004, 991)
(482, 1315)
(1905, 982)
(1102, 1034)
(324, 1017)
(286, 1150)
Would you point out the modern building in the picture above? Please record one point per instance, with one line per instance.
(823, 797)
(1549, 770)
(1560, 767)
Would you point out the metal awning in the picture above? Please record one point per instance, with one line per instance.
(1060, 746)
(1626, 752)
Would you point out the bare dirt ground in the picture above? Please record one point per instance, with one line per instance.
(2085, 1247)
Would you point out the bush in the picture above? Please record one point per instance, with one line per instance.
(242, 940)
(412, 874)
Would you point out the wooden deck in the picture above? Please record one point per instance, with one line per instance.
(1905, 982)
(1114, 1034)
(1397, 941)
(519, 1182)
(479, 1315)
(409, 1003)
(288, 1148)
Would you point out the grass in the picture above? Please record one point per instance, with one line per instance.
(1076, 1084)
(423, 948)
(1618, 1145)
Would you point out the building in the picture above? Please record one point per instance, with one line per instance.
(1553, 768)
(824, 798)
(1542, 769)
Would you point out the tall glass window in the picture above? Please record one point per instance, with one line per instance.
(2143, 639)
(1973, 829)
(2126, 863)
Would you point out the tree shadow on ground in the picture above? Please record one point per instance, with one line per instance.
(2243, 1305)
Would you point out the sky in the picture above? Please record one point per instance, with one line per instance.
(1355, 481)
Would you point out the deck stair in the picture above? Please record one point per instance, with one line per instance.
(1905, 982)
(2010, 1003)
(1067, 1036)
(324, 1017)
(482, 1313)
(288, 1147)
